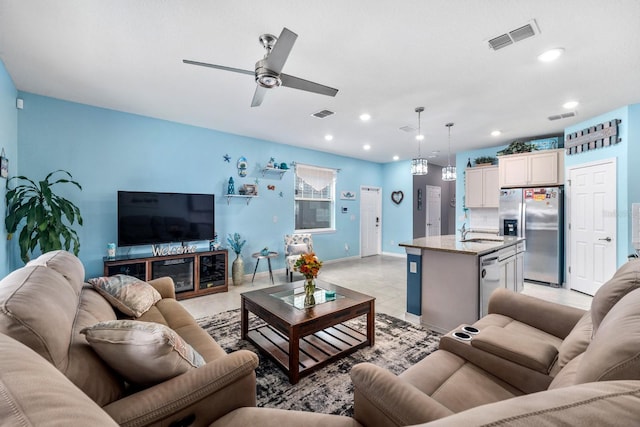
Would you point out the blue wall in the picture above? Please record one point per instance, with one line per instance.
(107, 150)
(397, 223)
(8, 142)
(627, 154)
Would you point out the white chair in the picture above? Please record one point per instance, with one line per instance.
(294, 246)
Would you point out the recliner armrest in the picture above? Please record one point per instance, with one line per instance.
(165, 286)
(383, 399)
(555, 319)
(523, 350)
(203, 394)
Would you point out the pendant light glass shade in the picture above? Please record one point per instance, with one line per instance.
(449, 173)
(419, 165)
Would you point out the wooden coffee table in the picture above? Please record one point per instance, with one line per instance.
(301, 339)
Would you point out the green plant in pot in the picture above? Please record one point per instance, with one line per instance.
(485, 160)
(46, 217)
(237, 267)
(518, 147)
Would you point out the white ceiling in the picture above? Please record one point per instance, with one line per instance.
(386, 58)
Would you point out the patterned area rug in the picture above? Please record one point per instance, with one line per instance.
(329, 390)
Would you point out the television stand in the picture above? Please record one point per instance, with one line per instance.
(193, 274)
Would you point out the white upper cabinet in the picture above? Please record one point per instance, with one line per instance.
(481, 187)
(532, 169)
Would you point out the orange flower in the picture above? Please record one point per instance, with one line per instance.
(308, 265)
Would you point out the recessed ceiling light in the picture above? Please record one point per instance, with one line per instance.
(396, 157)
(328, 137)
(366, 147)
(420, 137)
(364, 117)
(496, 133)
(570, 105)
(551, 55)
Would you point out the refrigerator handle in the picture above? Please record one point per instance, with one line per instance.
(524, 221)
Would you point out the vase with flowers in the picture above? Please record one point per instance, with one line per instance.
(309, 266)
(237, 268)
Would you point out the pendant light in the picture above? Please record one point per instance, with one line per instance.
(449, 173)
(419, 165)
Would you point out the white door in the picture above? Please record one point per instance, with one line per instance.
(592, 225)
(370, 221)
(434, 209)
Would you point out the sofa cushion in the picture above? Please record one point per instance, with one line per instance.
(64, 263)
(625, 280)
(614, 352)
(34, 393)
(142, 352)
(128, 294)
(576, 342)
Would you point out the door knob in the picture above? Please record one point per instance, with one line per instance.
(608, 239)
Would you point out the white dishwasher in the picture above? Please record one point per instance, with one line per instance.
(497, 270)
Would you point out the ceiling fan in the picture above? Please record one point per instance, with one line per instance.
(268, 73)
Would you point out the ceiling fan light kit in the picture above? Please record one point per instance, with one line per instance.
(268, 71)
(449, 172)
(419, 165)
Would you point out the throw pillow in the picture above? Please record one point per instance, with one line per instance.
(128, 294)
(142, 352)
(298, 249)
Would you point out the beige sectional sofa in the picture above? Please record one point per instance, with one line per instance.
(523, 346)
(532, 363)
(46, 304)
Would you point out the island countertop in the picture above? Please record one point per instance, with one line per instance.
(452, 243)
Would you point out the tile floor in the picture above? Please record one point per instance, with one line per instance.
(382, 276)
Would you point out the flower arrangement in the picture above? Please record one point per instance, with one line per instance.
(235, 243)
(308, 265)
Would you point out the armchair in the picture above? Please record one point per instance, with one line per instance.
(294, 246)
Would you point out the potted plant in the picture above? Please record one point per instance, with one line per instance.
(46, 217)
(518, 147)
(485, 160)
(237, 268)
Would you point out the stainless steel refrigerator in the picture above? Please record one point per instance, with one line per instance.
(536, 214)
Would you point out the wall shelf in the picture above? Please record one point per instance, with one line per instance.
(239, 196)
(273, 171)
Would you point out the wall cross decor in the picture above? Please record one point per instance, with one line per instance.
(598, 136)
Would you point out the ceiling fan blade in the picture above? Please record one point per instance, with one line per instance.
(302, 84)
(258, 96)
(280, 52)
(220, 67)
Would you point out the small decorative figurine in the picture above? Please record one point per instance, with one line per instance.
(230, 187)
(242, 166)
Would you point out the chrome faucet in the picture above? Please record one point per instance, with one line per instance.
(463, 231)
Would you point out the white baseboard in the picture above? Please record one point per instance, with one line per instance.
(413, 318)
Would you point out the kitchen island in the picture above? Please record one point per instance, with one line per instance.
(444, 277)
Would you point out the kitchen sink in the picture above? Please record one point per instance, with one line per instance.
(482, 240)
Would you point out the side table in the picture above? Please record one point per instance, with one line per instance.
(259, 256)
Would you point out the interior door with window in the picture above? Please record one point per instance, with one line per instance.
(592, 230)
(370, 221)
(434, 209)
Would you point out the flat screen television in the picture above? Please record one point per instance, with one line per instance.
(147, 218)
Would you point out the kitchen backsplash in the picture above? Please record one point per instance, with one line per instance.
(483, 219)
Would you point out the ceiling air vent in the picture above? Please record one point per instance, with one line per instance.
(322, 114)
(408, 129)
(562, 116)
(513, 36)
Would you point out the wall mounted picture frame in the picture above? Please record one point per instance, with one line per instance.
(4, 165)
(348, 195)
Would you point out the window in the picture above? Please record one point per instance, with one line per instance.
(314, 198)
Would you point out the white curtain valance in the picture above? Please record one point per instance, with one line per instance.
(317, 178)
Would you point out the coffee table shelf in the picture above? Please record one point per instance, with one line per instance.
(316, 350)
